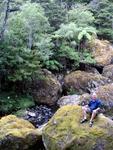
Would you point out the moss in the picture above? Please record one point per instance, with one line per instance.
(80, 80)
(102, 52)
(64, 130)
(11, 122)
(17, 134)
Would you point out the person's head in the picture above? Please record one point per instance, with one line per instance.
(94, 96)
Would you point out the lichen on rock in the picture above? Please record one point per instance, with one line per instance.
(82, 81)
(17, 134)
(64, 131)
(102, 51)
(105, 93)
(108, 72)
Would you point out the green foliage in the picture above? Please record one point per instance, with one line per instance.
(69, 55)
(20, 113)
(28, 25)
(56, 14)
(53, 65)
(54, 11)
(19, 63)
(87, 33)
(72, 32)
(72, 37)
(10, 102)
(103, 11)
(81, 16)
(44, 47)
(86, 57)
(68, 52)
(68, 4)
(67, 31)
(106, 33)
(26, 43)
(79, 25)
(72, 91)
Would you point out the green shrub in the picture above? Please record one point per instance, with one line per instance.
(106, 33)
(68, 52)
(53, 65)
(87, 58)
(10, 102)
(72, 91)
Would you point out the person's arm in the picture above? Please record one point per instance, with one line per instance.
(89, 104)
(98, 109)
(99, 105)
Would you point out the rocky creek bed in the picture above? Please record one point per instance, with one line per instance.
(39, 115)
(63, 131)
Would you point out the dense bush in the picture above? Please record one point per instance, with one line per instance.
(10, 102)
(22, 49)
(103, 12)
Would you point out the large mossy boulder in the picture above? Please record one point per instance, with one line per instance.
(105, 93)
(102, 51)
(17, 134)
(82, 81)
(108, 71)
(64, 132)
(47, 89)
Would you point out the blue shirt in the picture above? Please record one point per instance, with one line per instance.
(94, 104)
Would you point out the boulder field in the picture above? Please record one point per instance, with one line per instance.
(64, 131)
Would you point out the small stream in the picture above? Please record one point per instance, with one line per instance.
(39, 115)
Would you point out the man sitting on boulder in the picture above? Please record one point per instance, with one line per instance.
(93, 108)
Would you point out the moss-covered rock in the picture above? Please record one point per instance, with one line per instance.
(82, 81)
(46, 90)
(64, 131)
(17, 134)
(102, 52)
(105, 93)
(108, 71)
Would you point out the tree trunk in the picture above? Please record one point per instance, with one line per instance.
(5, 20)
(30, 39)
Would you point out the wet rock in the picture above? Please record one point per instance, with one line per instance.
(46, 90)
(108, 72)
(68, 134)
(83, 82)
(17, 134)
(38, 115)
